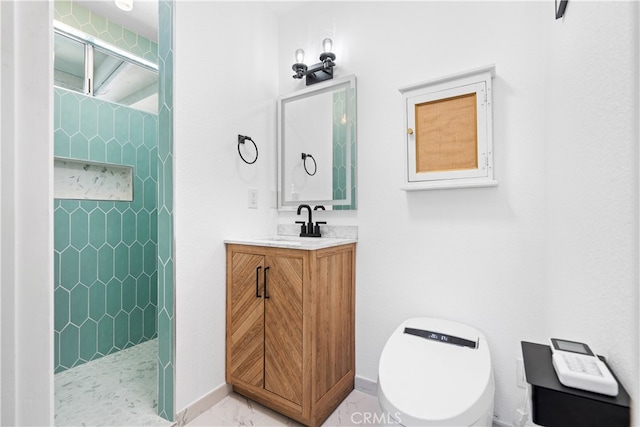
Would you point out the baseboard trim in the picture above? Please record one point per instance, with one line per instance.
(366, 385)
(192, 411)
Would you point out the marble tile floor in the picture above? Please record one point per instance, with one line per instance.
(358, 409)
(115, 390)
(120, 390)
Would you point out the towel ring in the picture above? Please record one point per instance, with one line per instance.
(241, 140)
(304, 163)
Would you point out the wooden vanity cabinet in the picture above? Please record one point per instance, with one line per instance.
(291, 327)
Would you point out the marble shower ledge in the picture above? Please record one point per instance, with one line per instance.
(84, 180)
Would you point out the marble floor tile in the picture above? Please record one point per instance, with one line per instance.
(236, 410)
(120, 390)
(358, 409)
(116, 390)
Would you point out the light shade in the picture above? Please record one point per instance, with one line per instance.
(299, 56)
(327, 44)
(126, 5)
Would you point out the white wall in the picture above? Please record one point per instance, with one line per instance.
(225, 85)
(592, 181)
(508, 260)
(474, 255)
(26, 227)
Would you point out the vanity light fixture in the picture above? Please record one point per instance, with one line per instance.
(319, 72)
(126, 5)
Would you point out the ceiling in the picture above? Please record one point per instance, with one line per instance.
(143, 19)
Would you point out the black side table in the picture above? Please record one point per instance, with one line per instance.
(553, 404)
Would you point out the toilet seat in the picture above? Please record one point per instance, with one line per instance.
(427, 382)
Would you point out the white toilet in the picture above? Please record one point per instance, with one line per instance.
(436, 372)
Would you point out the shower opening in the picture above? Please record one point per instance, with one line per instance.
(105, 247)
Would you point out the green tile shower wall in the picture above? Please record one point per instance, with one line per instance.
(339, 142)
(166, 312)
(85, 20)
(105, 254)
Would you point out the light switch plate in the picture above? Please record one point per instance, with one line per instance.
(253, 198)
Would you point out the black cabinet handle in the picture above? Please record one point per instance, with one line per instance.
(258, 282)
(266, 295)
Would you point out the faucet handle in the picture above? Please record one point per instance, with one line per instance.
(319, 207)
(317, 227)
(303, 228)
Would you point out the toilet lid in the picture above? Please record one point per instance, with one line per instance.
(425, 381)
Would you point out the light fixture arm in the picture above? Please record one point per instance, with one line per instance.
(316, 73)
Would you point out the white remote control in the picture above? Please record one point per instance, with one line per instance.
(578, 367)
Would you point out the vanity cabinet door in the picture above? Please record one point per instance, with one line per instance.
(264, 323)
(245, 320)
(283, 327)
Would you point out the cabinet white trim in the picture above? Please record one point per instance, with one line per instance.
(475, 82)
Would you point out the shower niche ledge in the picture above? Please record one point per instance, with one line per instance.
(84, 180)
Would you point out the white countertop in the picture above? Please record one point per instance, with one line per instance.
(293, 242)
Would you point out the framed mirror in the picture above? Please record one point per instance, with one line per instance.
(317, 146)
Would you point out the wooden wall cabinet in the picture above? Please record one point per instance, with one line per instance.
(290, 327)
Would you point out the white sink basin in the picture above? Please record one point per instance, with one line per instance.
(295, 242)
(283, 240)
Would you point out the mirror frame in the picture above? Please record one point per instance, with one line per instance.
(349, 202)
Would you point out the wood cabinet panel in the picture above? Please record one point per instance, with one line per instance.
(333, 305)
(283, 328)
(245, 322)
(446, 134)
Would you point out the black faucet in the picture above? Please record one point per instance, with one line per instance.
(307, 231)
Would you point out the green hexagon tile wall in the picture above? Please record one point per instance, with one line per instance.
(104, 252)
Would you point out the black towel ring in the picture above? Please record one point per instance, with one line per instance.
(304, 163)
(241, 140)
